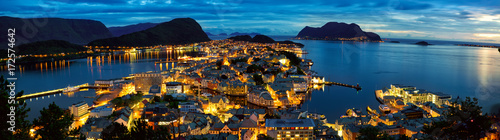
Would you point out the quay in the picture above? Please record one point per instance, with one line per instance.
(61, 90)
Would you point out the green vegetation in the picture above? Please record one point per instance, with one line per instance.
(464, 120)
(294, 60)
(53, 123)
(139, 131)
(372, 133)
(115, 131)
(264, 137)
(254, 68)
(22, 125)
(134, 99)
(48, 47)
(258, 79)
(234, 61)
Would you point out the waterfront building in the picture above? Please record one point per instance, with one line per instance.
(411, 94)
(79, 110)
(286, 129)
(144, 81)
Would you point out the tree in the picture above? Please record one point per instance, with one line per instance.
(22, 126)
(53, 122)
(115, 131)
(464, 120)
(264, 137)
(168, 98)
(258, 79)
(156, 99)
(75, 133)
(141, 130)
(372, 133)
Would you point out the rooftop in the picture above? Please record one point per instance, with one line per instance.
(289, 122)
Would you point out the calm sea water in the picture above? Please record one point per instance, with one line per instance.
(455, 70)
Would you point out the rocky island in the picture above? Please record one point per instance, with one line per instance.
(337, 31)
(423, 43)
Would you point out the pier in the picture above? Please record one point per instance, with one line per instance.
(61, 90)
(357, 87)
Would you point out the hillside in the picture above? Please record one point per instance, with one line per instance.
(77, 31)
(48, 47)
(177, 31)
(119, 31)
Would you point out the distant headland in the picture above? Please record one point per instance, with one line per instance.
(337, 31)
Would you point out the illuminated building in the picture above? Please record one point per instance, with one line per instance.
(290, 129)
(143, 81)
(173, 87)
(410, 94)
(79, 110)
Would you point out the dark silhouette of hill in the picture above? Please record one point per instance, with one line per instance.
(262, 39)
(77, 31)
(335, 30)
(119, 31)
(48, 47)
(174, 32)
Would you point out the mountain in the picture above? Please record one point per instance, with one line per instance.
(77, 31)
(210, 34)
(241, 38)
(221, 34)
(262, 39)
(238, 33)
(49, 47)
(337, 31)
(176, 31)
(119, 31)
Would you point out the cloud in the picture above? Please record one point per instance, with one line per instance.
(396, 18)
(410, 5)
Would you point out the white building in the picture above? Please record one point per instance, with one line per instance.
(173, 87)
(101, 111)
(79, 110)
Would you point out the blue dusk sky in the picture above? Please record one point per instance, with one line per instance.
(466, 20)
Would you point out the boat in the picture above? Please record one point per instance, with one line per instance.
(384, 108)
(70, 89)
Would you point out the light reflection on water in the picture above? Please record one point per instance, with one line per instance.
(46, 76)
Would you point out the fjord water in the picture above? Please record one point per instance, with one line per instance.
(455, 70)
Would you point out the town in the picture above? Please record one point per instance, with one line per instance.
(242, 90)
